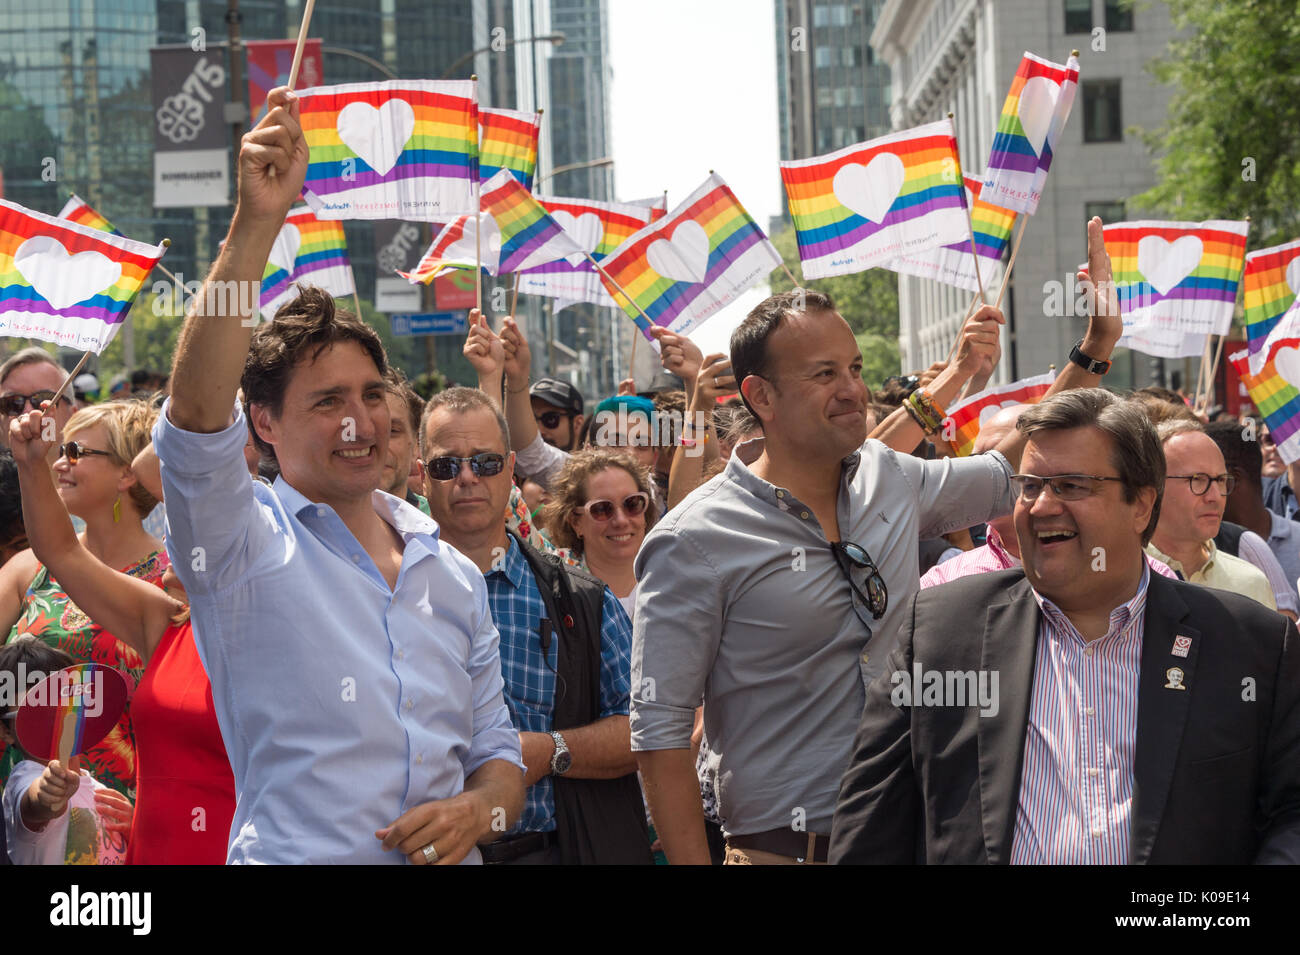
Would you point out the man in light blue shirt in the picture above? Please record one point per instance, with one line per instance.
(353, 660)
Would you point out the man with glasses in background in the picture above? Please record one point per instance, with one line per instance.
(1136, 719)
(557, 409)
(565, 652)
(775, 591)
(26, 379)
(1196, 492)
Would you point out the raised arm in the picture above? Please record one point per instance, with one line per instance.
(134, 611)
(687, 471)
(486, 354)
(214, 341)
(518, 368)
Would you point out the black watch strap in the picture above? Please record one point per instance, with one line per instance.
(1090, 365)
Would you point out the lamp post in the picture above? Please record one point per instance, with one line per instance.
(556, 38)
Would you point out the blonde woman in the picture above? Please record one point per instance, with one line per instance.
(95, 482)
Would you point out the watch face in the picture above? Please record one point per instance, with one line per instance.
(562, 762)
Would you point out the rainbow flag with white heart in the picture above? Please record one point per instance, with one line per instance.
(684, 268)
(1275, 391)
(954, 264)
(508, 140)
(517, 233)
(1029, 129)
(866, 205)
(1269, 286)
(67, 283)
(406, 149)
(307, 250)
(966, 417)
(600, 228)
(81, 212)
(1177, 276)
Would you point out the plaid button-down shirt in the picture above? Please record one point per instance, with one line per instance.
(1076, 785)
(517, 609)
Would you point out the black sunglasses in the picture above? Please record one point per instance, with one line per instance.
(909, 383)
(74, 452)
(447, 467)
(849, 556)
(551, 419)
(15, 404)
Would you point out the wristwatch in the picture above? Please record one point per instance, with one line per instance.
(1090, 365)
(561, 759)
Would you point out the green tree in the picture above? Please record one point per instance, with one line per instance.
(867, 300)
(1231, 145)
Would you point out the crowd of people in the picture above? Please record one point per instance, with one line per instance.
(768, 617)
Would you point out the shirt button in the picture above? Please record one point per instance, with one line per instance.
(320, 512)
(1093, 770)
(409, 705)
(356, 558)
(1090, 711)
(780, 494)
(419, 758)
(401, 654)
(804, 515)
(1087, 651)
(1096, 831)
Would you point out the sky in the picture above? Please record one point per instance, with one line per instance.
(694, 89)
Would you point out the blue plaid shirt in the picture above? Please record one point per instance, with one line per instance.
(517, 609)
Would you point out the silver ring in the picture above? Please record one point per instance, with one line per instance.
(430, 854)
(717, 383)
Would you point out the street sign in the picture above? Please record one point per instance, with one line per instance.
(430, 323)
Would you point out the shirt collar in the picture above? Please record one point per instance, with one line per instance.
(512, 568)
(406, 520)
(994, 541)
(1120, 617)
(1279, 527)
(1176, 565)
(743, 455)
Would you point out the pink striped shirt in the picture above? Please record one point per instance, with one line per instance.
(994, 556)
(1076, 785)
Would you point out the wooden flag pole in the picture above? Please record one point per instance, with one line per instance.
(1206, 352)
(970, 223)
(478, 225)
(514, 296)
(1015, 249)
(1214, 370)
(623, 292)
(970, 310)
(67, 381)
(302, 41)
(790, 275)
(357, 302)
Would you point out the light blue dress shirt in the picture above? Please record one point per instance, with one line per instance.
(342, 703)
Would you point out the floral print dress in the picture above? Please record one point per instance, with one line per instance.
(49, 614)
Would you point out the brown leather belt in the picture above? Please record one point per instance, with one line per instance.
(516, 847)
(784, 842)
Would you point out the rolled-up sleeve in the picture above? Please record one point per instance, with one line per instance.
(676, 631)
(214, 529)
(494, 736)
(615, 658)
(953, 493)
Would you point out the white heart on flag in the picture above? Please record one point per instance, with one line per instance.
(1287, 363)
(377, 135)
(61, 279)
(870, 190)
(684, 257)
(1293, 274)
(991, 410)
(586, 230)
(284, 253)
(1035, 109)
(1164, 263)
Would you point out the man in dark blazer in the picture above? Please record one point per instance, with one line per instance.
(1083, 710)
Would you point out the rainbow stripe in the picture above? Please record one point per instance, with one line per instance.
(48, 290)
(953, 264)
(411, 149)
(1177, 276)
(1036, 108)
(600, 228)
(1269, 286)
(315, 252)
(508, 140)
(967, 417)
(79, 211)
(518, 233)
(1277, 399)
(683, 268)
(867, 204)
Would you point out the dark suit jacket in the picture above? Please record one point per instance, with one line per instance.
(1216, 773)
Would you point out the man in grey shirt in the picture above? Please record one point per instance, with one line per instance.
(754, 594)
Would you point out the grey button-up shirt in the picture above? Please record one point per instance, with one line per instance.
(740, 602)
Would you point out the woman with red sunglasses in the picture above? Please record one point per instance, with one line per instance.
(600, 509)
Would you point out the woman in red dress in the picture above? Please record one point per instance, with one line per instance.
(185, 791)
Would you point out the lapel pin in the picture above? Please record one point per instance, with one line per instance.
(1175, 677)
(1181, 646)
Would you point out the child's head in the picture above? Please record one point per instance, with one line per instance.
(23, 664)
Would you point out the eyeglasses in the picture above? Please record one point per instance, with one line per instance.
(15, 404)
(1067, 487)
(849, 556)
(909, 383)
(447, 467)
(1200, 482)
(74, 452)
(631, 506)
(551, 419)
